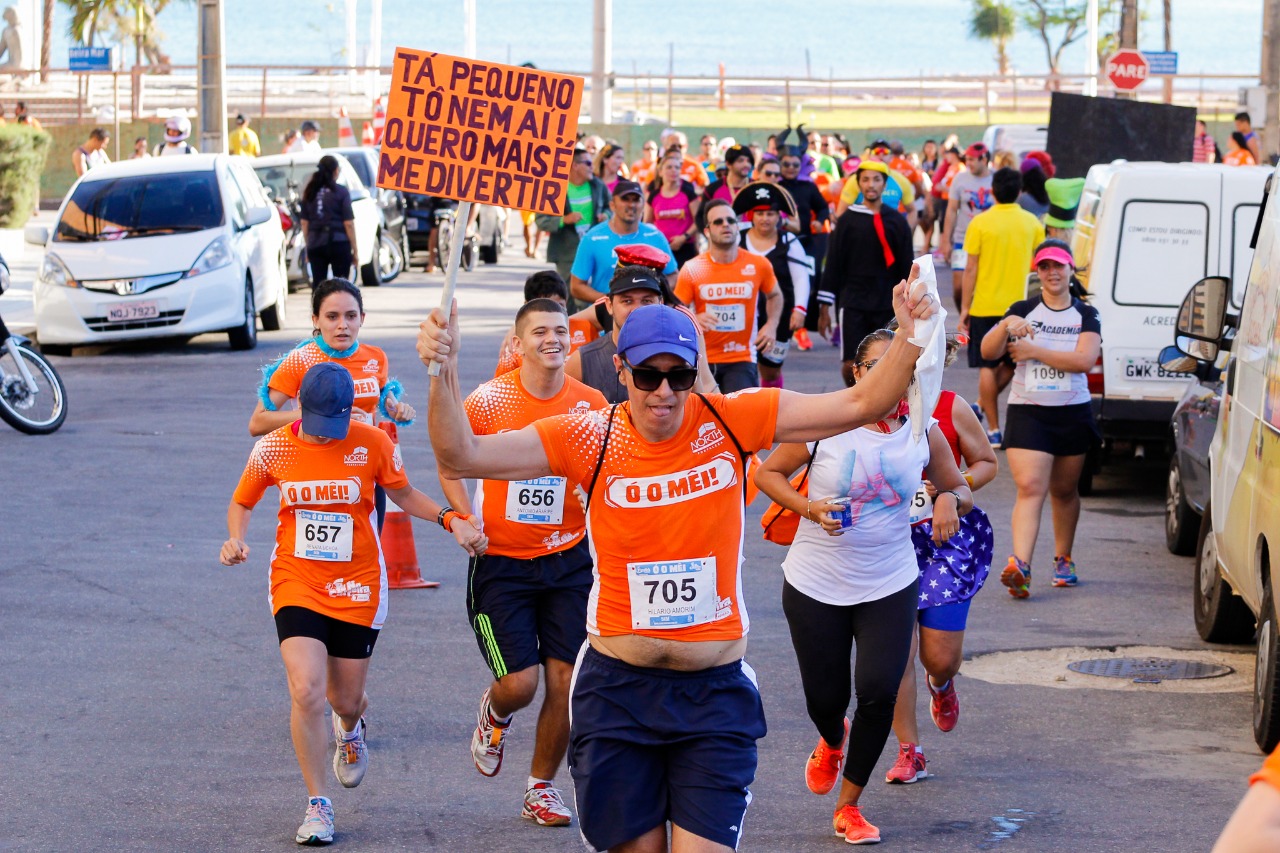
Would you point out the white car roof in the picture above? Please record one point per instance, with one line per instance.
(155, 166)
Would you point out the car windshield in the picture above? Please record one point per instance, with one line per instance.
(360, 163)
(141, 206)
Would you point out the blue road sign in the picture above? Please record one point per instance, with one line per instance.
(1162, 61)
(89, 58)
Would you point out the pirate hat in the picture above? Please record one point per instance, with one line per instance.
(762, 195)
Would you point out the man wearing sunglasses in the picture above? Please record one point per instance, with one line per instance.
(593, 267)
(722, 286)
(663, 476)
(527, 596)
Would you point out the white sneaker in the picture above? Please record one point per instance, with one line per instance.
(488, 739)
(351, 758)
(544, 805)
(317, 827)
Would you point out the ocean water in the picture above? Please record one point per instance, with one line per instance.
(858, 38)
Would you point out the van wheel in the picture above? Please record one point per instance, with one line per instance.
(1266, 686)
(245, 336)
(1180, 521)
(1221, 616)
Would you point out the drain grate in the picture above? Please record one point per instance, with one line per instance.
(1149, 670)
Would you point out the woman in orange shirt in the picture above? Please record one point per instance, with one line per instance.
(1238, 153)
(328, 589)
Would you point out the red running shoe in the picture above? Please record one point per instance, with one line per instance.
(802, 339)
(910, 766)
(823, 767)
(850, 823)
(944, 705)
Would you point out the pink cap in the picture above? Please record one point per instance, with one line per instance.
(1054, 253)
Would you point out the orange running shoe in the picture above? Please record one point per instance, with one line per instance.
(1017, 576)
(850, 823)
(802, 339)
(823, 767)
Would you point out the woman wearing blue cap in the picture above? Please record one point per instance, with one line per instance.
(328, 580)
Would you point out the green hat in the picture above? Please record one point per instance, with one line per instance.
(1064, 198)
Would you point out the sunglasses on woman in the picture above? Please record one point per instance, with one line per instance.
(650, 378)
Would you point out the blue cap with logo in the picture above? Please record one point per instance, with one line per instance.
(656, 329)
(326, 396)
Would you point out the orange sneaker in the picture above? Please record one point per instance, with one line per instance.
(1017, 576)
(823, 767)
(850, 823)
(802, 339)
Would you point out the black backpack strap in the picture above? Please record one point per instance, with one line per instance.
(742, 454)
(600, 460)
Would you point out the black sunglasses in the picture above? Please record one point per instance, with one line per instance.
(650, 378)
(727, 220)
(771, 174)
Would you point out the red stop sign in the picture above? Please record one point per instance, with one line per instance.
(1126, 69)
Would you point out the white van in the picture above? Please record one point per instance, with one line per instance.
(1018, 138)
(1146, 232)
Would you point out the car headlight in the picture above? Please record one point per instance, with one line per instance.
(215, 256)
(54, 271)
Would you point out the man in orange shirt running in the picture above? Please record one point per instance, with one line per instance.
(665, 712)
(527, 596)
(722, 286)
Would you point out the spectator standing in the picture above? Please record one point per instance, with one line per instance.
(176, 130)
(244, 140)
(586, 204)
(308, 139)
(92, 153)
(1238, 153)
(21, 116)
(870, 252)
(595, 259)
(290, 137)
(140, 151)
(673, 207)
(999, 245)
(1204, 149)
(1244, 126)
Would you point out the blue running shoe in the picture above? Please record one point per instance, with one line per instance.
(1064, 571)
(996, 437)
(977, 410)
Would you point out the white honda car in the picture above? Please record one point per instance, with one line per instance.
(160, 247)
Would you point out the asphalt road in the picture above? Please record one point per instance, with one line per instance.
(145, 706)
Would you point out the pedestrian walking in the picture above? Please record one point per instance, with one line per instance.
(763, 205)
(328, 579)
(586, 205)
(869, 251)
(666, 623)
(722, 287)
(740, 163)
(968, 195)
(860, 587)
(595, 260)
(951, 573)
(1054, 339)
(244, 140)
(328, 223)
(998, 245)
(672, 206)
(813, 221)
(610, 165)
(92, 153)
(584, 326)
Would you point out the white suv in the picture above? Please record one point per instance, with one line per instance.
(159, 247)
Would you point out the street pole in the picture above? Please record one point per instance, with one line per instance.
(1270, 75)
(374, 59)
(1168, 46)
(351, 47)
(469, 28)
(602, 62)
(211, 69)
(1091, 50)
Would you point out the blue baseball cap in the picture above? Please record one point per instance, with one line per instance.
(326, 396)
(655, 329)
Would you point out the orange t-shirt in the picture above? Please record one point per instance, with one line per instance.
(327, 556)
(666, 520)
(1270, 771)
(729, 291)
(691, 170)
(527, 518)
(907, 169)
(581, 333)
(367, 366)
(642, 171)
(1239, 157)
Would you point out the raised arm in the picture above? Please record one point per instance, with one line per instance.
(459, 451)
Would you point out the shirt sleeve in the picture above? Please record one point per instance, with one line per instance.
(583, 261)
(391, 473)
(849, 193)
(287, 378)
(572, 444)
(256, 478)
(348, 215)
(1023, 307)
(819, 206)
(684, 286)
(768, 279)
(833, 275)
(1089, 319)
(752, 414)
(1269, 772)
(477, 413)
(800, 267)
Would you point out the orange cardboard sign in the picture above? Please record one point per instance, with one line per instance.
(479, 131)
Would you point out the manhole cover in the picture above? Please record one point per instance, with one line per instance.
(1149, 670)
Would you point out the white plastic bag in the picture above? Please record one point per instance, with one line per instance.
(931, 336)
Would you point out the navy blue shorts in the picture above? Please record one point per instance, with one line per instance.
(647, 746)
(525, 611)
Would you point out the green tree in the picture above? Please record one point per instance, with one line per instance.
(117, 19)
(1059, 24)
(992, 20)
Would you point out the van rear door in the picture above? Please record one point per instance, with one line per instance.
(1241, 197)
(1168, 239)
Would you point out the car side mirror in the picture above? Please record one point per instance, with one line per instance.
(36, 235)
(1202, 315)
(256, 216)
(1174, 360)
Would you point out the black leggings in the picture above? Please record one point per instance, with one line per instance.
(335, 255)
(823, 636)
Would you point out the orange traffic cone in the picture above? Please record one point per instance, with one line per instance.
(379, 120)
(366, 135)
(397, 541)
(346, 135)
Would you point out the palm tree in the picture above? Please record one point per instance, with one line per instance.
(46, 40)
(992, 20)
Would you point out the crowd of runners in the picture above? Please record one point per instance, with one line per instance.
(599, 484)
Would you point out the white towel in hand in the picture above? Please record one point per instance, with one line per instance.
(931, 336)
